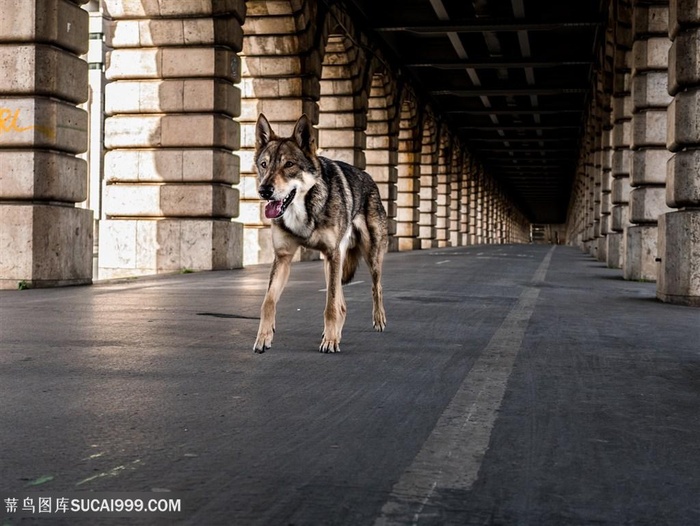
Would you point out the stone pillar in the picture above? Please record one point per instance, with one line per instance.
(464, 200)
(621, 139)
(473, 197)
(480, 206)
(45, 240)
(606, 189)
(382, 147)
(485, 209)
(274, 55)
(171, 134)
(648, 174)
(590, 244)
(621, 132)
(679, 230)
(95, 108)
(597, 173)
(428, 186)
(443, 185)
(408, 184)
(488, 212)
(455, 193)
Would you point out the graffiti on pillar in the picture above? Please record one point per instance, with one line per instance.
(9, 123)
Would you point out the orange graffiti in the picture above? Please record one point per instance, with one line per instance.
(9, 123)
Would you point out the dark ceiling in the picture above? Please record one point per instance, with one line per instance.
(511, 77)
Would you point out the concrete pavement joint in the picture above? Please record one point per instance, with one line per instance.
(452, 455)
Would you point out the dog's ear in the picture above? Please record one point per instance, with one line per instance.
(263, 132)
(304, 136)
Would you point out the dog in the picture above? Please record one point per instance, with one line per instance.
(326, 205)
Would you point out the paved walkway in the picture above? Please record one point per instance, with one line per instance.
(520, 384)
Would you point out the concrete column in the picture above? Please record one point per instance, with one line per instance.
(277, 50)
(649, 156)
(95, 107)
(45, 240)
(464, 201)
(490, 204)
(408, 184)
(621, 161)
(679, 230)
(606, 189)
(427, 207)
(382, 147)
(473, 196)
(171, 134)
(575, 221)
(597, 174)
(443, 184)
(590, 243)
(604, 151)
(455, 195)
(621, 132)
(480, 207)
(486, 210)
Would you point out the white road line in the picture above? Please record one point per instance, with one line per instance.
(452, 455)
(442, 262)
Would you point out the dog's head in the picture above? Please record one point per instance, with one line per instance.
(287, 166)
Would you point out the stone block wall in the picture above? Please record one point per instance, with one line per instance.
(278, 48)
(649, 154)
(679, 230)
(444, 184)
(170, 131)
(408, 183)
(456, 176)
(44, 240)
(621, 138)
(427, 207)
(382, 145)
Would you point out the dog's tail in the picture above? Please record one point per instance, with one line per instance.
(352, 259)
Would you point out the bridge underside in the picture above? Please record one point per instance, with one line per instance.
(126, 128)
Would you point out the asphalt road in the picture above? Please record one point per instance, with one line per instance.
(514, 385)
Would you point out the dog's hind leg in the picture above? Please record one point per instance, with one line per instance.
(279, 274)
(374, 245)
(352, 258)
(334, 314)
(374, 262)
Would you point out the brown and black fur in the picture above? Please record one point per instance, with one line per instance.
(329, 206)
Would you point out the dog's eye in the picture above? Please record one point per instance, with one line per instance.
(263, 164)
(288, 164)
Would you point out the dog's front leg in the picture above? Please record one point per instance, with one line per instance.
(334, 315)
(279, 274)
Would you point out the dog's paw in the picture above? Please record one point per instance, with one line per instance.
(379, 321)
(329, 346)
(263, 342)
(259, 349)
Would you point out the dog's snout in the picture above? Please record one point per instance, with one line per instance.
(266, 191)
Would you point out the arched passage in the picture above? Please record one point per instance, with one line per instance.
(342, 104)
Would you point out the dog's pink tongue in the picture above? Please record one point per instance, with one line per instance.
(273, 209)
